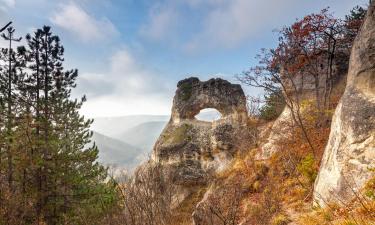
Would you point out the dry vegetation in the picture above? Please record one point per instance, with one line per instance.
(276, 191)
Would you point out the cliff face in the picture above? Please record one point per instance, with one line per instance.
(350, 152)
(193, 151)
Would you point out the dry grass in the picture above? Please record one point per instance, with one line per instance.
(182, 214)
(361, 211)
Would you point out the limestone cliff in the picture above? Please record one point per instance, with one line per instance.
(350, 152)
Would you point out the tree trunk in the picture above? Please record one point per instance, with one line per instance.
(9, 117)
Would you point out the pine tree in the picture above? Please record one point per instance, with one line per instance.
(68, 176)
(12, 74)
(49, 172)
(9, 81)
(353, 22)
(273, 106)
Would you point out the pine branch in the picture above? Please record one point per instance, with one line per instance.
(5, 27)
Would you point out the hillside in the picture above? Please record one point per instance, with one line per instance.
(143, 135)
(116, 152)
(115, 126)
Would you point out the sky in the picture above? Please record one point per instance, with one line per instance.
(131, 53)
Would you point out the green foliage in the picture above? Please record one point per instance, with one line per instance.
(274, 105)
(353, 22)
(186, 89)
(52, 173)
(307, 168)
(357, 13)
(370, 186)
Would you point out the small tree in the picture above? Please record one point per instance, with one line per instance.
(353, 22)
(148, 197)
(273, 106)
(306, 49)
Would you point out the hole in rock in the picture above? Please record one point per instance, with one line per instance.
(208, 115)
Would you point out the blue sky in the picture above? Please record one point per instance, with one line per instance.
(131, 53)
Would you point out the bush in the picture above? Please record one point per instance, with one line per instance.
(307, 168)
(187, 89)
(273, 107)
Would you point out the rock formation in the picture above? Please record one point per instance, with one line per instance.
(350, 151)
(274, 134)
(192, 151)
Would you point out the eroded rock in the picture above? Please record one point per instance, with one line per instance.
(192, 151)
(350, 151)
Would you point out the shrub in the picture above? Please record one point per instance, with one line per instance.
(273, 107)
(280, 220)
(307, 168)
(186, 91)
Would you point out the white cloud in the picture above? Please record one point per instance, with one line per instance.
(128, 88)
(225, 24)
(199, 3)
(6, 4)
(73, 18)
(9, 3)
(230, 23)
(163, 19)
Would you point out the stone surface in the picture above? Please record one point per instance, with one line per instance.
(350, 151)
(278, 132)
(192, 151)
(192, 95)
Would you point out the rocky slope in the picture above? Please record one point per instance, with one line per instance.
(350, 152)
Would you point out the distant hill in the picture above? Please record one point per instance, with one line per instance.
(116, 152)
(127, 140)
(116, 126)
(144, 135)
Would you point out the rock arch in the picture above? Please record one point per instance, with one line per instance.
(193, 95)
(208, 115)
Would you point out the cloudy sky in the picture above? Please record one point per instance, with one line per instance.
(131, 53)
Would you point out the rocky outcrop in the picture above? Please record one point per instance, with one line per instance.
(192, 151)
(350, 152)
(278, 131)
(192, 95)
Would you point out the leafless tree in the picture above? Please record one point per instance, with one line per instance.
(147, 197)
(221, 206)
